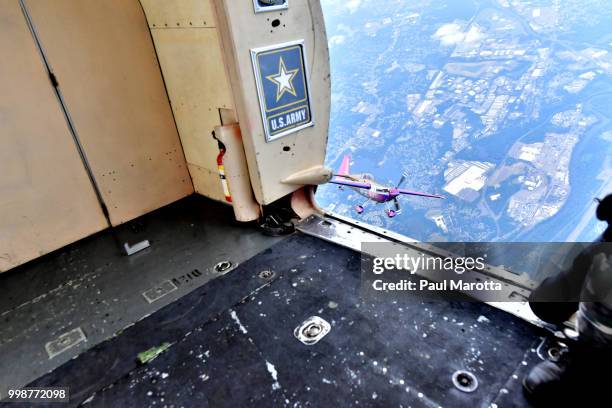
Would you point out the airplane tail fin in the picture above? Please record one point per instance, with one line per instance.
(344, 167)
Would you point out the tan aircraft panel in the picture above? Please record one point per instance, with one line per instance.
(46, 197)
(198, 86)
(243, 30)
(113, 89)
(179, 13)
(206, 182)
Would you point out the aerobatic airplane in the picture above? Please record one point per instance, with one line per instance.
(365, 185)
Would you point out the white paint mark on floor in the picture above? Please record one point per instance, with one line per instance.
(238, 322)
(483, 319)
(274, 374)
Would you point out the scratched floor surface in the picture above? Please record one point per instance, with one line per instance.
(233, 344)
(90, 290)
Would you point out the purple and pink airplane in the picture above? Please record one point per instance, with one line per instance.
(365, 185)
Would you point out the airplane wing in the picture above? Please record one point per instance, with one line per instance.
(416, 193)
(350, 183)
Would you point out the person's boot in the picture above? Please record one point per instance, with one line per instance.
(545, 381)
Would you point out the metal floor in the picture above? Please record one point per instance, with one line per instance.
(233, 344)
(58, 306)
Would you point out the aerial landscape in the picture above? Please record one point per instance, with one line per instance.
(504, 107)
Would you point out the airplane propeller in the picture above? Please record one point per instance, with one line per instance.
(401, 181)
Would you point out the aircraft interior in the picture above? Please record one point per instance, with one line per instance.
(161, 244)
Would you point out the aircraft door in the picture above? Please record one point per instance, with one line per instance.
(46, 197)
(108, 78)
